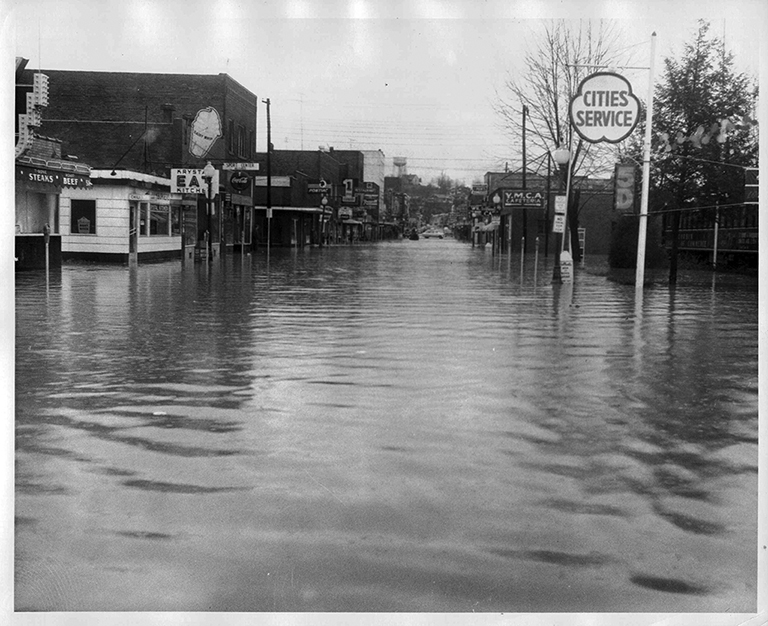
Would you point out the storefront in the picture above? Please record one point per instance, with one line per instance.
(39, 184)
(125, 216)
(237, 222)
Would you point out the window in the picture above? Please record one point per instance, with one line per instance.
(231, 135)
(251, 144)
(143, 218)
(159, 219)
(83, 217)
(240, 141)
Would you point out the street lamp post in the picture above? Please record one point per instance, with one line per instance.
(497, 211)
(323, 204)
(562, 157)
(208, 174)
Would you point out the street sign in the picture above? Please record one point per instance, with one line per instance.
(558, 225)
(240, 166)
(560, 205)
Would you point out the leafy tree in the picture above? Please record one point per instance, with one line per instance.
(703, 132)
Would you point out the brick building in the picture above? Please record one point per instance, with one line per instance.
(526, 209)
(149, 124)
(300, 180)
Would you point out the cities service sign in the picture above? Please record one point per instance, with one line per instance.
(604, 108)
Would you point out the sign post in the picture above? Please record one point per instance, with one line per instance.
(643, 225)
(605, 109)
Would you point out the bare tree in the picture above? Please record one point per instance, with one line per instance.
(562, 54)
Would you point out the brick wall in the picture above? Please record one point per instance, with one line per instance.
(101, 116)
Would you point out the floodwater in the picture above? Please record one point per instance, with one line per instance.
(401, 426)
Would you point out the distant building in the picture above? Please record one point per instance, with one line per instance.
(526, 209)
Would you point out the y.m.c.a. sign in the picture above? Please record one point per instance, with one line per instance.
(523, 198)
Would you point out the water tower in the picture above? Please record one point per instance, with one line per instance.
(401, 166)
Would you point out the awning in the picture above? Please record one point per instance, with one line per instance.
(353, 222)
(485, 227)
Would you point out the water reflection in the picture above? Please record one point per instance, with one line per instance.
(411, 426)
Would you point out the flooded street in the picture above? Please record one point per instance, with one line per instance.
(405, 426)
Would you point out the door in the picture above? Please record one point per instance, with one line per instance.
(133, 231)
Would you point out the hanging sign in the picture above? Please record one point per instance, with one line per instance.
(240, 181)
(751, 185)
(189, 180)
(318, 187)
(624, 191)
(522, 198)
(604, 108)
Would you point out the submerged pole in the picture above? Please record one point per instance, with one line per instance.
(643, 225)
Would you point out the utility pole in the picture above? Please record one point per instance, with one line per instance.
(546, 214)
(643, 225)
(269, 176)
(525, 167)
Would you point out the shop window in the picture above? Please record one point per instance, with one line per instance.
(159, 219)
(83, 217)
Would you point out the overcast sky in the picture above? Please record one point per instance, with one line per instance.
(414, 79)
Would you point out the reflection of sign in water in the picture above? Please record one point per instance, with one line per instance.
(206, 129)
(604, 108)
